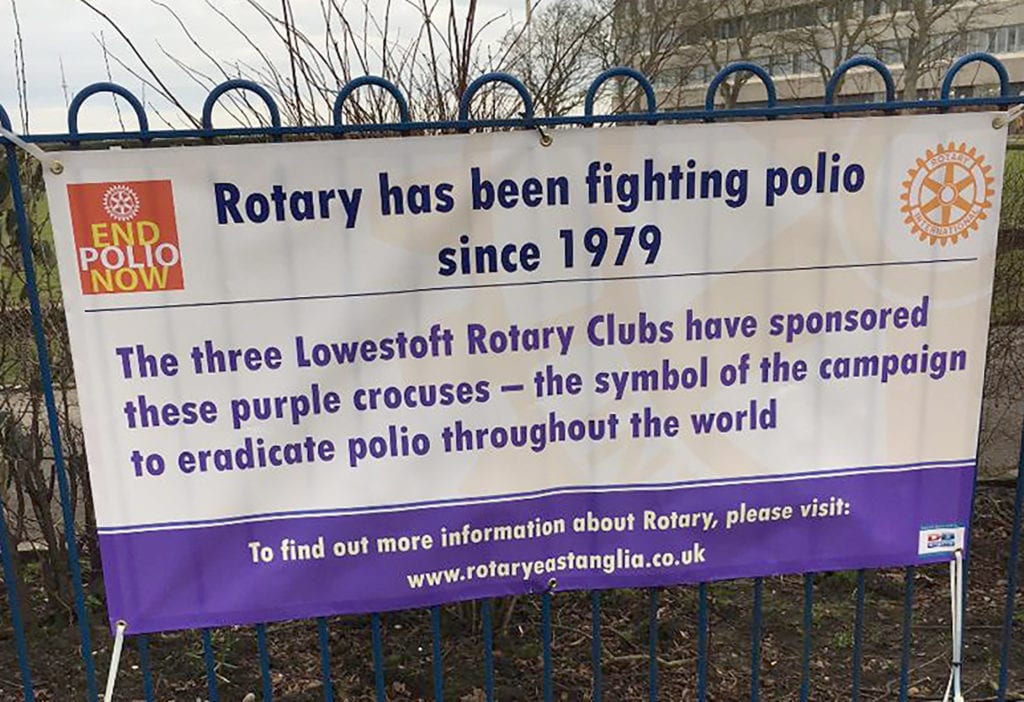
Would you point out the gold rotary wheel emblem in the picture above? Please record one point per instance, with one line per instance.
(948, 194)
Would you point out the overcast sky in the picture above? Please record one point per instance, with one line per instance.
(68, 32)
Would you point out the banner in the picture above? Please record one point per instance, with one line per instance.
(361, 375)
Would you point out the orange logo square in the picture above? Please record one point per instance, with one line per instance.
(126, 237)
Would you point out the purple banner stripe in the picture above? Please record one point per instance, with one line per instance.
(621, 487)
(322, 565)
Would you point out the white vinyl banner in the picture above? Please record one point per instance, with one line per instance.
(352, 375)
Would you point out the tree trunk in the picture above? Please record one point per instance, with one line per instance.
(912, 66)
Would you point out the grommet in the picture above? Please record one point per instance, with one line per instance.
(56, 167)
(552, 584)
(545, 138)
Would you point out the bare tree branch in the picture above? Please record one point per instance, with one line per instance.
(166, 92)
(19, 70)
(110, 77)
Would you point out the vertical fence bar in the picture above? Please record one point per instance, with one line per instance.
(325, 658)
(805, 659)
(549, 683)
(653, 643)
(59, 466)
(702, 642)
(595, 643)
(858, 638)
(435, 631)
(378, 657)
(147, 670)
(755, 641)
(261, 646)
(488, 627)
(908, 621)
(20, 646)
(1011, 578)
(211, 667)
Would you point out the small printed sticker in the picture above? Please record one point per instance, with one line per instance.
(940, 539)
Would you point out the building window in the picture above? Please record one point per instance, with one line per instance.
(890, 52)
(729, 29)
(668, 78)
(949, 45)
(780, 65)
(977, 41)
(884, 7)
(1000, 40)
(803, 62)
(1016, 41)
(805, 16)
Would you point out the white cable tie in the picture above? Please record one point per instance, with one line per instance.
(952, 619)
(958, 640)
(115, 659)
(956, 600)
(1007, 119)
(32, 149)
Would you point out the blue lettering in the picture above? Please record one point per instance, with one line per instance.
(227, 196)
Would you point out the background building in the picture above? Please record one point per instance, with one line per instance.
(684, 43)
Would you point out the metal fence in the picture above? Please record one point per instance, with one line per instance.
(145, 136)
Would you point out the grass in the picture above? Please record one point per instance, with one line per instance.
(1008, 291)
(12, 273)
(1012, 214)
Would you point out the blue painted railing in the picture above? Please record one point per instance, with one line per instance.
(276, 130)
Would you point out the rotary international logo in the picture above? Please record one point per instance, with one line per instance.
(121, 202)
(948, 194)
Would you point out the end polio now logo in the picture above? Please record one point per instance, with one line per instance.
(126, 238)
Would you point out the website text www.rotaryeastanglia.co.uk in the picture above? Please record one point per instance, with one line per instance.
(619, 560)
